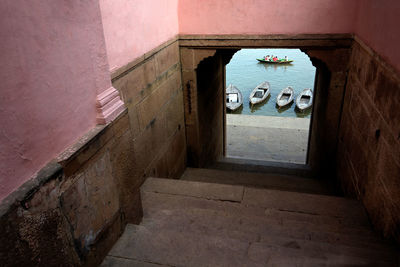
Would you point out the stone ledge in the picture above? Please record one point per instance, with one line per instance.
(96, 133)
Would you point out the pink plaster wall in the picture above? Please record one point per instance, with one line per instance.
(266, 16)
(53, 64)
(378, 25)
(134, 27)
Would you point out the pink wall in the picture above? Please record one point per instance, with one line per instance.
(266, 16)
(378, 26)
(134, 27)
(53, 64)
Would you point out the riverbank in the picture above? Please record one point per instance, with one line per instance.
(267, 138)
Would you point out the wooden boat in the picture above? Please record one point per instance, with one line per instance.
(275, 62)
(234, 98)
(304, 99)
(260, 93)
(285, 97)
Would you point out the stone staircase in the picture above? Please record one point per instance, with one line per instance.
(233, 218)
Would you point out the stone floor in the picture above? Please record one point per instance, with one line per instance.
(267, 138)
(189, 223)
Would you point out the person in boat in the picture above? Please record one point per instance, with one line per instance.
(271, 57)
(286, 58)
(266, 58)
(275, 59)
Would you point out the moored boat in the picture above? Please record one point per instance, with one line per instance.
(280, 61)
(260, 93)
(304, 99)
(285, 97)
(234, 98)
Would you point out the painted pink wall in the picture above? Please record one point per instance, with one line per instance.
(378, 25)
(53, 64)
(134, 27)
(266, 16)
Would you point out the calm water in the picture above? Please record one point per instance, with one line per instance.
(245, 72)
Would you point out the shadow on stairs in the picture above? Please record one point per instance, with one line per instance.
(198, 221)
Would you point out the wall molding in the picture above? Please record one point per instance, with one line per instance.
(109, 105)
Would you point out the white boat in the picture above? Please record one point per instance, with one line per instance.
(304, 99)
(260, 93)
(285, 97)
(234, 98)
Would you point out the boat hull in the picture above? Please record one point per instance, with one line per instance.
(285, 97)
(262, 90)
(304, 100)
(274, 62)
(235, 92)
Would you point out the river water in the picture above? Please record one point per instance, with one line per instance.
(245, 72)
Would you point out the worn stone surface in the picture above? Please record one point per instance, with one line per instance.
(154, 103)
(166, 58)
(189, 229)
(258, 179)
(369, 145)
(123, 262)
(88, 204)
(175, 153)
(194, 189)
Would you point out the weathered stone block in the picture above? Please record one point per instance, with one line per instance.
(176, 148)
(387, 97)
(187, 60)
(175, 113)
(154, 103)
(134, 121)
(166, 58)
(88, 204)
(149, 71)
(130, 85)
(36, 240)
(149, 143)
(120, 126)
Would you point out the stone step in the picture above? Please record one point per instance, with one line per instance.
(261, 180)
(313, 204)
(249, 165)
(189, 223)
(185, 248)
(125, 262)
(179, 248)
(234, 219)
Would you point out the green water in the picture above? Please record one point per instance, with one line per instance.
(245, 72)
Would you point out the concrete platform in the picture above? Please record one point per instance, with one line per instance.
(267, 138)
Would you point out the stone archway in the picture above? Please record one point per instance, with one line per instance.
(330, 57)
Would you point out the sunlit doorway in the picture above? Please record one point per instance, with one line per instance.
(265, 131)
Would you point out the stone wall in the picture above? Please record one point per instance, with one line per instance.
(152, 91)
(369, 140)
(74, 210)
